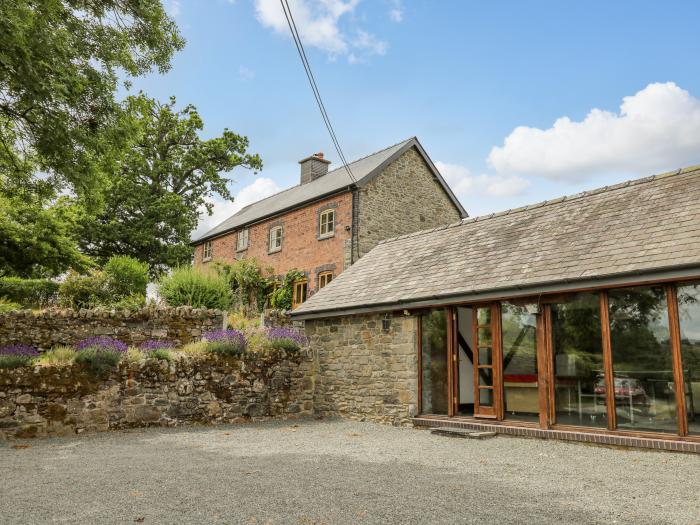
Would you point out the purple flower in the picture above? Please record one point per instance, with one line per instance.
(156, 344)
(225, 336)
(19, 350)
(103, 344)
(277, 334)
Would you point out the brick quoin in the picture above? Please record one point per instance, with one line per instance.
(301, 247)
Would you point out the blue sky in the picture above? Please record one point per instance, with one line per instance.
(516, 102)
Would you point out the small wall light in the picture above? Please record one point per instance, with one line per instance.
(386, 323)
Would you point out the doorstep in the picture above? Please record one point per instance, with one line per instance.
(567, 435)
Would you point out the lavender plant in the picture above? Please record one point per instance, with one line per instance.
(14, 356)
(226, 342)
(100, 354)
(157, 349)
(286, 339)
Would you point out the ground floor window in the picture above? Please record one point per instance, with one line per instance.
(434, 375)
(300, 291)
(324, 278)
(689, 316)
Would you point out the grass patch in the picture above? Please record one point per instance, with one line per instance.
(14, 361)
(58, 355)
(160, 353)
(134, 355)
(98, 361)
(194, 349)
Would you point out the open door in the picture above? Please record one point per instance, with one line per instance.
(488, 401)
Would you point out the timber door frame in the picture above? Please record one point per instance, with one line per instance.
(495, 411)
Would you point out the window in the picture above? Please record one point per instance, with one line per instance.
(434, 362)
(642, 360)
(579, 383)
(275, 239)
(242, 241)
(300, 290)
(206, 251)
(689, 315)
(326, 223)
(324, 278)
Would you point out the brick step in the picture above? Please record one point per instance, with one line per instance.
(461, 433)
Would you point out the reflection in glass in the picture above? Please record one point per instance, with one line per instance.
(519, 362)
(485, 356)
(689, 314)
(578, 361)
(486, 376)
(483, 315)
(642, 360)
(486, 397)
(434, 362)
(484, 336)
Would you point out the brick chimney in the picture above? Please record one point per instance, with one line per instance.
(313, 167)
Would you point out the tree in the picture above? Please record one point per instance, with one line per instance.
(60, 62)
(161, 182)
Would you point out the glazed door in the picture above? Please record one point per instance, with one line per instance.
(487, 362)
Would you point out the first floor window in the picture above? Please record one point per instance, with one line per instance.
(300, 291)
(206, 251)
(324, 278)
(327, 223)
(242, 242)
(275, 239)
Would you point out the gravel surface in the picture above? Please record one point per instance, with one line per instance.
(327, 472)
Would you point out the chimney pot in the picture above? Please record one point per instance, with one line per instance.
(313, 167)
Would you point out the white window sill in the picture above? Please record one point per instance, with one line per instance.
(206, 259)
(275, 250)
(326, 236)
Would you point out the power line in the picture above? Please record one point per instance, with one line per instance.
(314, 87)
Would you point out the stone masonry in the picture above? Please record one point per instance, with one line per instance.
(404, 198)
(53, 401)
(362, 372)
(48, 328)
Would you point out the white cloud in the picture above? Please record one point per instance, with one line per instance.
(259, 189)
(467, 186)
(396, 11)
(318, 23)
(246, 73)
(173, 8)
(657, 128)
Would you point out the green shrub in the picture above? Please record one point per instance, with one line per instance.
(281, 297)
(13, 361)
(248, 283)
(226, 342)
(29, 292)
(126, 276)
(84, 291)
(161, 353)
(194, 349)
(97, 361)
(8, 306)
(131, 302)
(58, 355)
(187, 286)
(134, 355)
(17, 355)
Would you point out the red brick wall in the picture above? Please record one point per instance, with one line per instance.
(301, 248)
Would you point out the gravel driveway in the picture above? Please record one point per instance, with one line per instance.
(327, 472)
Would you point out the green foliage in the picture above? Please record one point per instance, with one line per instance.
(249, 284)
(8, 306)
(61, 64)
(13, 361)
(224, 348)
(130, 302)
(59, 355)
(97, 361)
(194, 349)
(29, 292)
(285, 344)
(281, 298)
(187, 286)
(162, 180)
(84, 291)
(126, 276)
(161, 353)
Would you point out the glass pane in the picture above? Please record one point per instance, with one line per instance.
(486, 397)
(578, 362)
(643, 371)
(484, 335)
(521, 396)
(689, 313)
(486, 376)
(485, 356)
(434, 362)
(483, 315)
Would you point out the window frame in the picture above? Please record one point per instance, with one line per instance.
(207, 251)
(280, 237)
(242, 234)
(326, 277)
(300, 283)
(330, 232)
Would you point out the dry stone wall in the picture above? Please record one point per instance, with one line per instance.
(49, 328)
(53, 401)
(363, 372)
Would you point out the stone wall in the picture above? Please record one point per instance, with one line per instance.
(404, 198)
(49, 328)
(51, 401)
(362, 372)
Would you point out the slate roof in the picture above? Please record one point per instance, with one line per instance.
(637, 227)
(334, 181)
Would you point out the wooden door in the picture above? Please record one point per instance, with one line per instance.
(488, 386)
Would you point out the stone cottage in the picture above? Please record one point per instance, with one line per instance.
(332, 218)
(576, 318)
